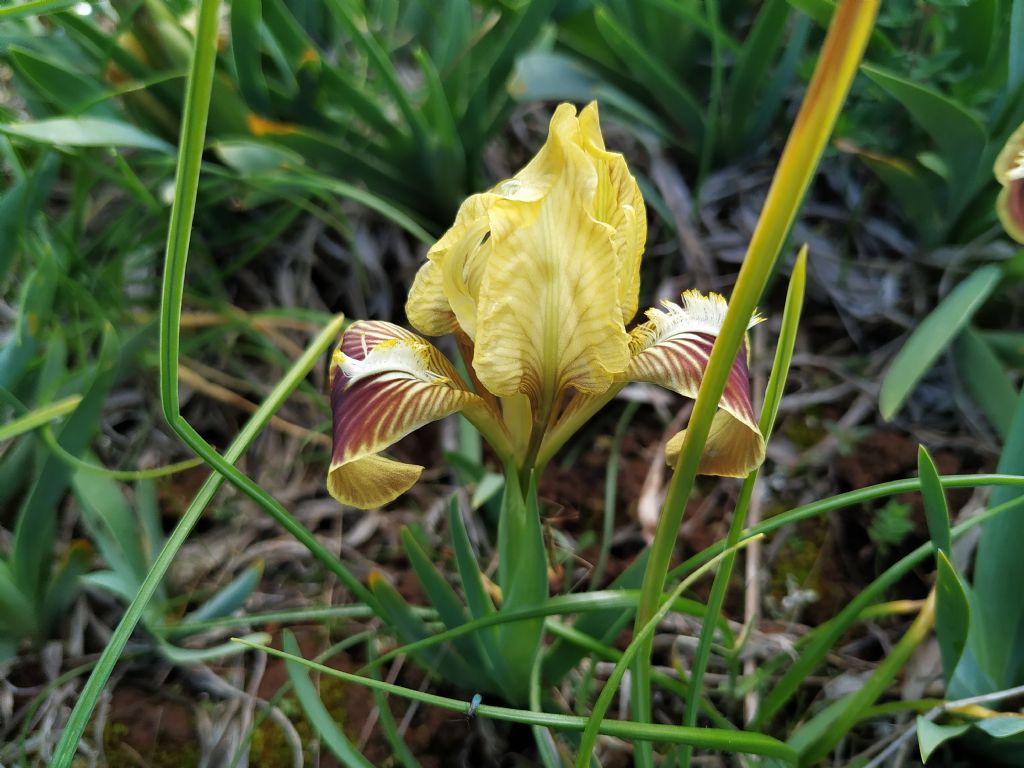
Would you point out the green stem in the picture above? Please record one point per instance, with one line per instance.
(604, 700)
(90, 694)
(197, 104)
(772, 400)
(844, 45)
(708, 738)
(876, 685)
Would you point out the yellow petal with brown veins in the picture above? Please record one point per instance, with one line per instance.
(672, 350)
(385, 383)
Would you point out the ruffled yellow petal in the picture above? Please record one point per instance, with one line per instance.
(1009, 170)
(542, 271)
(385, 383)
(619, 203)
(672, 350)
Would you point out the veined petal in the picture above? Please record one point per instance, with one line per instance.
(672, 350)
(549, 314)
(446, 287)
(385, 383)
(1009, 170)
(618, 202)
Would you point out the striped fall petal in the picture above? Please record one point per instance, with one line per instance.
(385, 383)
(1009, 170)
(672, 350)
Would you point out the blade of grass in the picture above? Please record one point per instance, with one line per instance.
(611, 481)
(814, 653)
(604, 700)
(875, 686)
(844, 45)
(622, 599)
(936, 511)
(387, 721)
(709, 738)
(197, 103)
(39, 416)
(35, 8)
(319, 718)
(933, 335)
(773, 397)
(68, 744)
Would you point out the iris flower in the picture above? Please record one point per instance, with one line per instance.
(537, 280)
(1009, 170)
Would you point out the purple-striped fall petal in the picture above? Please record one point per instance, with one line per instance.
(672, 350)
(1009, 170)
(385, 383)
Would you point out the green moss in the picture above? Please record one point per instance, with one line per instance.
(164, 753)
(271, 749)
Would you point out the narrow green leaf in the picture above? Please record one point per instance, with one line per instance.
(931, 735)
(58, 83)
(410, 629)
(1016, 48)
(986, 380)
(387, 721)
(523, 579)
(708, 738)
(39, 416)
(673, 96)
(881, 678)
(933, 335)
(111, 524)
(19, 205)
(35, 306)
(960, 137)
(246, 25)
(34, 8)
(1001, 727)
(442, 597)
(35, 530)
(470, 576)
(999, 572)
(178, 655)
(323, 724)
(86, 132)
(17, 618)
(936, 511)
(952, 614)
(229, 598)
(772, 399)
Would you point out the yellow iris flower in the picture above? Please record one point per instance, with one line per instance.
(1009, 170)
(537, 279)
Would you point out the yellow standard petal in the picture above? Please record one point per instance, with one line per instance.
(542, 272)
(1009, 170)
(672, 350)
(385, 383)
(550, 310)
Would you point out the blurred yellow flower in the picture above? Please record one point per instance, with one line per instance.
(1009, 170)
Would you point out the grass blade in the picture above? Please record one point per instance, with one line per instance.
(319, 718)
(68, 744)
(837, 65)
(933, 335)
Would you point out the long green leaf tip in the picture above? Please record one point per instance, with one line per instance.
(844, 46)
(709, 738)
